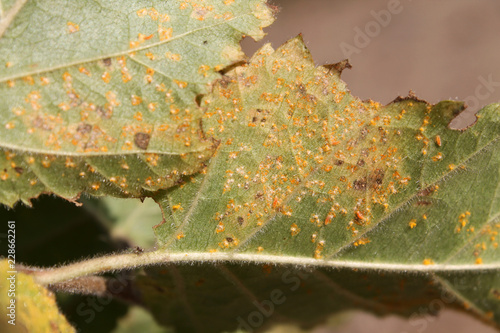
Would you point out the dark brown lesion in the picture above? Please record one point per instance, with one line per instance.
(225, 81)
(104, 112)
(241, 220)
(106, 62)
(302, 90)
(423, 203)
(41, 123)
(374, 181)
(84, 128)
(427, 191)
(377, 178)
(360, 184)
(363, 133)
(141, 140)
(259, 116)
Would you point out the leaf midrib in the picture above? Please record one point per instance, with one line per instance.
(28, 150)
(9, 17)
(112, 55)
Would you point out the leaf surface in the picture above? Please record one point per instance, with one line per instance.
(101, 97)
(305, 173)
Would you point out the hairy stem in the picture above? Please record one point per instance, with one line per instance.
(116, 262)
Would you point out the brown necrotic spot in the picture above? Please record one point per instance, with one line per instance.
(106, 62)
(240, 220)
(19, 170)
(360, 184)
(338, 162)
(225, 81)
(361, 162)
(180, 181)
(364, 132)
(141, 140)
(427, 191)
(377, 177)
(198, 99)
(302, 89)
(84, 128)
(229, 239)
(104, 112)
(38, 122)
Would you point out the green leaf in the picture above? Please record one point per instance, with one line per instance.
(35, 306)
(101, 97)
(256, 297)
(305, 173)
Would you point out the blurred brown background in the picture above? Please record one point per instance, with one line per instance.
(440, 49)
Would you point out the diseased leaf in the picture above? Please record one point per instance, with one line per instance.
(101, 97)
(305, 173)
(35, 307)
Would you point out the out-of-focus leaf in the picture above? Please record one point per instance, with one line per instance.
(139, 320)
(35, 307)
(128, 219)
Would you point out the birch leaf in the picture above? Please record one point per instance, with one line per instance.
(306, 174)
(101, 96)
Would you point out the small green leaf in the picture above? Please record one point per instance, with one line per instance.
(102, 98)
